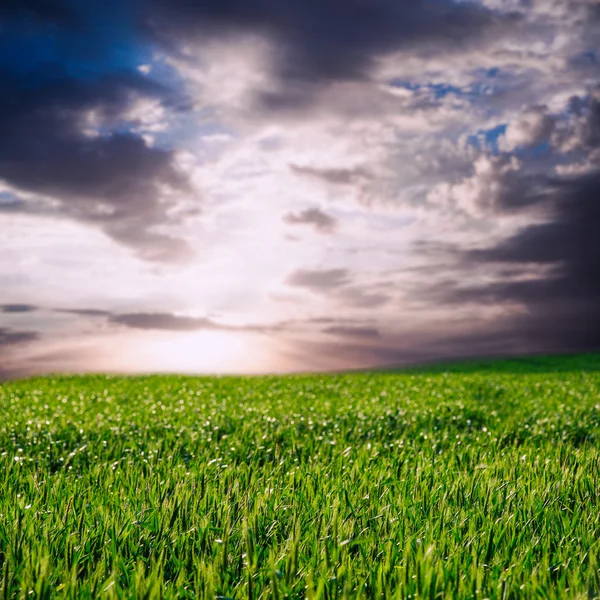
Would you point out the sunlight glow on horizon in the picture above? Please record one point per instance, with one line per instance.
(204, 352)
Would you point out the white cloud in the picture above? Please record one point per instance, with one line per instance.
(479, 194)
(532, 127)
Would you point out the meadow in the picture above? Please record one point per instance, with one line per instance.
(458, 481)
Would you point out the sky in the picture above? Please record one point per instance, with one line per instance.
(256, 186)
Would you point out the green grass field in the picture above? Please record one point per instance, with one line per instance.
(454, 482)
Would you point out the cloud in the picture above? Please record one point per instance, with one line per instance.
(498, 182)
(171, 322)
(553, 274)
(315, 217)
(9, 337)
(340, 176)
(541, 275)
(319, 280)
(114, 181)
(581, 131)
(321, 41)
(533, 126)
(17, 308)
(338, 285)
(75, 113)
(352, 332)
(367, 184)
(357, 297)
(164, 321)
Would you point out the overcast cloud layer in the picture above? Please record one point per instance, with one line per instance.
(262, 185)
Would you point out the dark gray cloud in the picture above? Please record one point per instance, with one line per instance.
(135, 320)
(164, 321)
(17, 308)
(594, 11)
(171, 322)
(338, 284)
(319, 280)
(9, 337)
(335, 176)
(352, 332)
(579, 131)
(68, 136)
(587, 109)
(358, 297)
(315, 217)
(114, 181)
(562, 301)
(327, 39)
